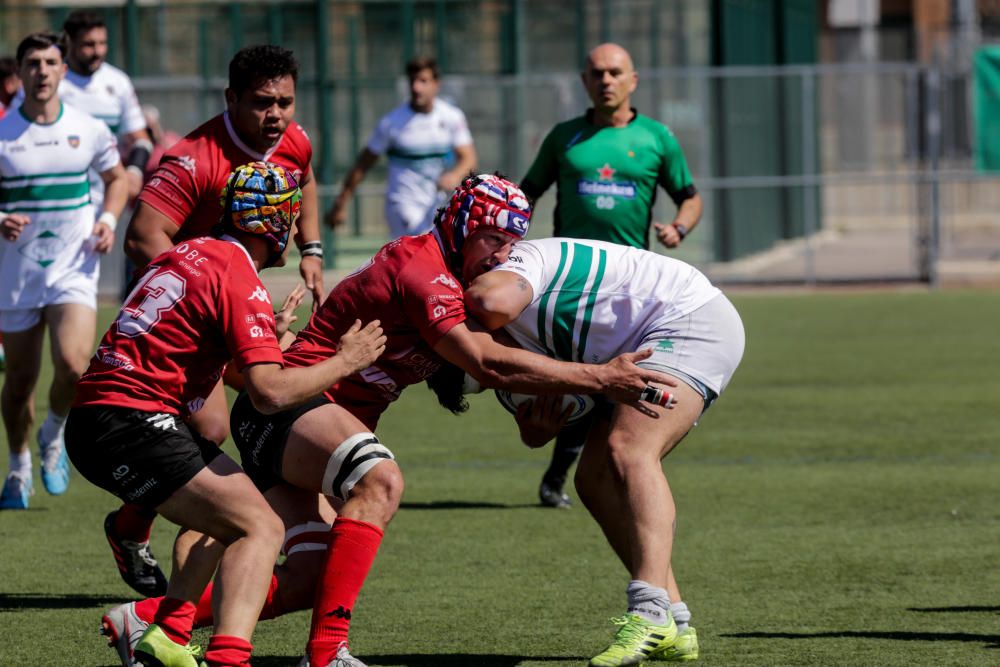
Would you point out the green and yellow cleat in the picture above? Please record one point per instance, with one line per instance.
(685, 648)
(636, 640)
(156, 649)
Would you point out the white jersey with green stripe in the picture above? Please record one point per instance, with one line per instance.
(594, 300)
(43, 174)
(419, 147)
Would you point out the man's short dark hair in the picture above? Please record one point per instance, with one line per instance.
(8, 67)
(82, 20)
(39, 41)
(256, 64)
(417, 65)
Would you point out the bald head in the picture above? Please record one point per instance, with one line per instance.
(609, 53)
(610, 79)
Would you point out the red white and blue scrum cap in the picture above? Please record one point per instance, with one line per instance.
(485, 199)
(262, 198)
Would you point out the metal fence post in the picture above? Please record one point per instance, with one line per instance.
(132, 38)
(353, 44)
(324, 116)
(933, 241)
(808, 93)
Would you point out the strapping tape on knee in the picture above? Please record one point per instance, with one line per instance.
(351, 461)
(308, 536)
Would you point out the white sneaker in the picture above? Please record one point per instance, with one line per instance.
(343, 659)
(124, 629)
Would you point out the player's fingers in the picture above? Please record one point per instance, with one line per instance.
(373, 325)
(651, 376)
(356, 327)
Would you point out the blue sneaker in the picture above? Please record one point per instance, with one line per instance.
(16, 491)
(55, 465)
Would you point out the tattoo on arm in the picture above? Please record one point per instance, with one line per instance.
(523, 284)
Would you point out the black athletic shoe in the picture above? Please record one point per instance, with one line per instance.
(135, 562)
(553, 497)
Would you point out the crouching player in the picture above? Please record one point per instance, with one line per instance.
(198, 306)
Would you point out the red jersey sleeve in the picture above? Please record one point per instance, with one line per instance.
(246, 316)
(433, 300)
(174, 188)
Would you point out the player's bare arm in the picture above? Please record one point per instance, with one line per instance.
(496, 298)
(273, 388)
(497, 366)
(148, 234)
(338, 214)
(308, 243)
(465, 162)
(115, 198)
(687, 218)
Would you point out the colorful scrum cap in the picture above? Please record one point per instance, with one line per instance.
(263, 199)
(482, 200)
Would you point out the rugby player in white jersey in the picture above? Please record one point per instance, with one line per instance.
(420, 137)
(104, 91)
(587, 301)
(49, 256)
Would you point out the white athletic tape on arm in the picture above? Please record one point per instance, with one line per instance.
(351, 461)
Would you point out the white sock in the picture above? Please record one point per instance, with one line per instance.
(52, 428)
(648, 601)
(681, 614)
(20, 462)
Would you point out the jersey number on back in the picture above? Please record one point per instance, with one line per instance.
(153, 296)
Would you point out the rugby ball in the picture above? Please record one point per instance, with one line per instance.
(581, 403)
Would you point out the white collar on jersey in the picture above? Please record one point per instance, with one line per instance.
(235, 242)
(243, 147)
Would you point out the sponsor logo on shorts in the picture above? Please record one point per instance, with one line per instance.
(664, 345)
(163, 421)
(142, 490)
(259, 445)
(119, 473)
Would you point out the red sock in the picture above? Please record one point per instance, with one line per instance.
(134, 523)
(203, 616)
(146, 609)
(225, 651)
(175, 617)
(353, 545)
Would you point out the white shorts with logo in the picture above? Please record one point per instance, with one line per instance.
(79, 288)
(702, 348)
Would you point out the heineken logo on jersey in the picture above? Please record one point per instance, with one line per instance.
(44, 248)
(73, 140)
(606, 173)
(625, 190)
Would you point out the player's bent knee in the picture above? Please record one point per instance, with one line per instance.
(352, 461)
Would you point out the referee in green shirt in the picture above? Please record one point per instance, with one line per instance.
(606, 165)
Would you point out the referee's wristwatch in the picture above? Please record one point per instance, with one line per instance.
(682, 231)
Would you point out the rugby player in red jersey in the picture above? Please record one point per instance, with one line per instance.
(197, 307)
(181, 202)
(327, 446)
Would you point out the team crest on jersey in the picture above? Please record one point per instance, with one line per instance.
(188, 163)
(260, 294)
(73, 140)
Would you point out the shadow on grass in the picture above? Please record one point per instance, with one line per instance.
(953, 610)
(991, 641)
(462, 505)
(436, 660)
(23, 601)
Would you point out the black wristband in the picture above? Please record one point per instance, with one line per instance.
(311, 249)
(682, 231)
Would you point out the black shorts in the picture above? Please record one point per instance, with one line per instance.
(141, 457)
(261, 438)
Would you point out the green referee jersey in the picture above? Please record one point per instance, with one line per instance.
(607, 176)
